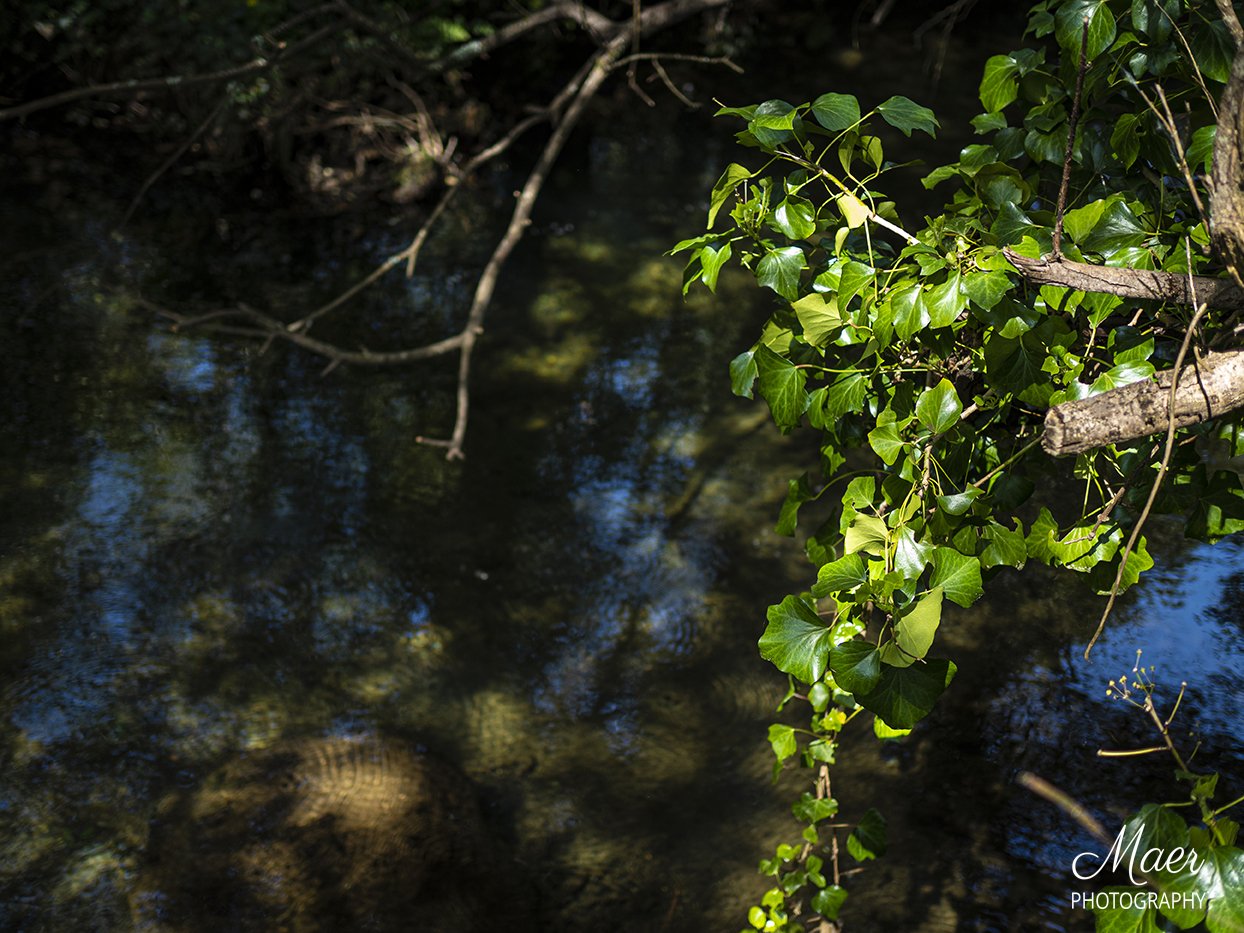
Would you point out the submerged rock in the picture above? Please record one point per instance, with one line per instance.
(321, 835)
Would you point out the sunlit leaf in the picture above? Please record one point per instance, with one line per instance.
(730, 179)
(939, 408)
(958, 574)
(819, 318)
(905, 115)
(796, 640)
(796, 217)
(915, 631)
(743, 373)
(836, 111)
(1000, 85)
(779, 270)
(867, 534)
(843, 574)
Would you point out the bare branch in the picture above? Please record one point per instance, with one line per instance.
(271, 328)
(1127, 283)
(257, 66)
(168, 163)
(671, 57)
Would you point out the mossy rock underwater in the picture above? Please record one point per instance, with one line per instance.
(322, 834)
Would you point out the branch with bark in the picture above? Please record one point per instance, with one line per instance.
(563, 113)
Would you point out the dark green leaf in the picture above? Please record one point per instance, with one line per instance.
(836, 112)
(945, 301)
(781, 384)
(799, 493)
(855, 277)
(743, 373)
(1069, 26)
(796, 640)
(988, 122)
(868, 839)
(904, 695)
(1117, 228)
(773, 123)
(1125, 139)
(856, 666)
(907, 116)
(810, 809)
(1213, 49)
(846, 393)
(958, 503)
(829, 901)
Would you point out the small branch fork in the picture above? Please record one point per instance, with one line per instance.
(563, 112)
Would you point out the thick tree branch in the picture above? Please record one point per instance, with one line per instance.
(1128, 283)
(1226, 206)
(1208, 388)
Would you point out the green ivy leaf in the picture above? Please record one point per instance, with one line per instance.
(885, 442)
(1125, 140)
(781, 384)
(915, 631)
(868, 839)
(1213, 50)
(730, 179)
(867, 534)
(945, 301)
(1000, 85)
(809, 809)
(846, 393)
(743, 373)
(986, 288)
(773, 123)
(799, 493)
(829, 901)
(712, 260)
(904, 695)
(819, 319)
(910, 313)
(958, 574)
(836, 112)
(844, 574)
(796, 217)
(1069, 26)
(910, 555)
(988, 122)
(1118, 228)
(856, 666)
(958, 503)
(782, 738)
(853, 209)
(796, 641)
(1122, 375)
(939, 408)
(1005, 547)
(905, 115)
(779, 270)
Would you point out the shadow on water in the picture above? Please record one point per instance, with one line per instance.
(207, 553)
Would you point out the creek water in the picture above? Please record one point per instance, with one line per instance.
(206, 549)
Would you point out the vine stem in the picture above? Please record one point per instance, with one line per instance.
(1166, 459)
(1056, 251)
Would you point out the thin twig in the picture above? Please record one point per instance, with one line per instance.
(1071, 142)
(670, 56)
(656, 63)
(1002, 466)
(168, 163)
(1173, 131)
(256, 66)
(1166, 459)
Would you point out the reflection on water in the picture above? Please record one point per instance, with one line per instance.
(207, 551)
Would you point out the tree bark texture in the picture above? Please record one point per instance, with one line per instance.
(1208, 388)
(1226, 206)
(1130, 283)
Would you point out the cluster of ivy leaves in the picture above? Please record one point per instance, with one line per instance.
(927, 362)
